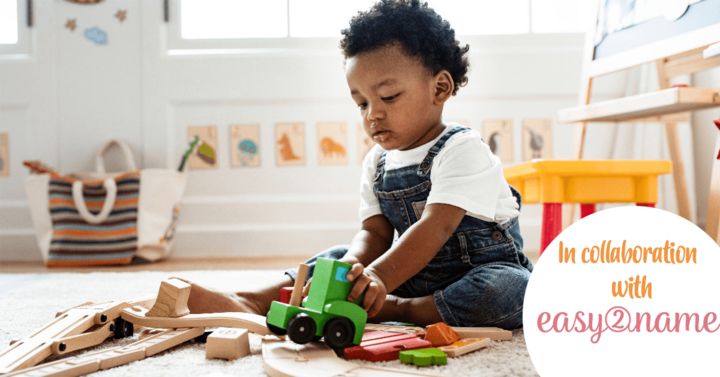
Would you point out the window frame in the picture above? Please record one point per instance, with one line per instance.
(21, 49)
(176, 45)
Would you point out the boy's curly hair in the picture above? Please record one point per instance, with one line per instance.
(421, 32)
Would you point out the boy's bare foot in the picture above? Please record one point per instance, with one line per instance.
(421, 311)
(205, 300)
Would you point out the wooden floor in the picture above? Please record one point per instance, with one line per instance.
(178, 264)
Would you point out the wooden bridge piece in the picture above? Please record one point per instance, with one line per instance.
(35, 347)
(109, 358)
(171, 299)
(252, 322)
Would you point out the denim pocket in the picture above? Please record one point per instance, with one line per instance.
(487, 246)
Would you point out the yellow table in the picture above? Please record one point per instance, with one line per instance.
(588, 182)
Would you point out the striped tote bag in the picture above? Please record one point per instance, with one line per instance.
(100, 218)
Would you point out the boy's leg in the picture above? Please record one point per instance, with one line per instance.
(490, 295)
(204, 300)
(420, 311)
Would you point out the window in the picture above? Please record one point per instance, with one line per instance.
(219, 19)
(14, 32)
(472, 17)
(270, 26)
(8, 22)
(561, 16)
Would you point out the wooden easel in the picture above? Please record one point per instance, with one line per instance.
(677, 55)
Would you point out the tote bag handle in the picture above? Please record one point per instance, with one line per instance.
(110, 188)
(124, 146)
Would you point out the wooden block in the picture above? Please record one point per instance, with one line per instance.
(171, 300)
(464, 346)
(494, 333)
(84, 340)
(253, 322)
(285, 294)
(440, 334)
(227, 343)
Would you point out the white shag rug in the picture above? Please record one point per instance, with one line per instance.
(29, 301)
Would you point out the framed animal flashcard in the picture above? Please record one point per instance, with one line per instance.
(4, 154)
(498, 134)
(289, 144)
(537, 139)
(365, 143)
(244, 143)
(332, 140)
(204, 153)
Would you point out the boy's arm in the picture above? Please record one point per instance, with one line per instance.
(410, 254)
(371, 242)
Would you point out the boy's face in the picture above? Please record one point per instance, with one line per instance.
(396, 97)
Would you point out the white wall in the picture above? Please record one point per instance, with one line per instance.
(70, 95)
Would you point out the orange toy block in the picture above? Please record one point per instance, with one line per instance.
(440, 334)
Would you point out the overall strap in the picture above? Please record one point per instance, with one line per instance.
(426, 165)
(379, 172)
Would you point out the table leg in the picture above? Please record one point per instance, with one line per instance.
(551, 224)
(652, 205)
(586, 210)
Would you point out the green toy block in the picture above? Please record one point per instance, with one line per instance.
(424, 357)
(325, 312)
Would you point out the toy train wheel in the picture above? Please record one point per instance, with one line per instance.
(123, 328)
(275, 330)
(301, 328)
(339, 333)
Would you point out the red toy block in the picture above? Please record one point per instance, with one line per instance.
(384, 346)
(285, 294)
(441, 334)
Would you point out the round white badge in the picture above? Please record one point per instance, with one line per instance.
(633, 292)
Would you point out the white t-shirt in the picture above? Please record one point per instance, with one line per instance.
(464, 173)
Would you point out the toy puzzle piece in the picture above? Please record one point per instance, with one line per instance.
(464, 346)
(424, 357)
(440, 334)
(494, 333)
(285, 358)
(383, 347)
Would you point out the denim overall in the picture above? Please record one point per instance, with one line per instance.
(479, 277)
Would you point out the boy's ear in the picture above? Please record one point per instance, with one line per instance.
(443, 86)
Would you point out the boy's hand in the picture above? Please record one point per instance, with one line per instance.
(366, 281)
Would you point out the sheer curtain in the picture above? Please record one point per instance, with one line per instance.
(645, 141)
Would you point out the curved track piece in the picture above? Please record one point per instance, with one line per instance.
(287, 359)
(252, 322)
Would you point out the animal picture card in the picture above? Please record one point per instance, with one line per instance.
(332, 140)
(4, 154)
(365, 143)
(244, 143)
(204, 153)
(537, 139)
(289, 144)
(498, 134)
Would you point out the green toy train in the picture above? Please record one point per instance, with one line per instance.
(324, 313)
